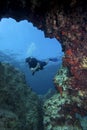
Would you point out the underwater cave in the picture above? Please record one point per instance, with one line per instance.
(67, 108)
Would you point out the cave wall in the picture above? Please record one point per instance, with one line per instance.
(69, 25)
(64, 20)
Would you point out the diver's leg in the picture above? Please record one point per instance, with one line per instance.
(42, 64)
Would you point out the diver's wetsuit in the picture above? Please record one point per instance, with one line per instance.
(32, 62)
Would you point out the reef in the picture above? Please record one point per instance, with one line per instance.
(61, 110)
(65, 20)
(59, 113)
(18, 104)
(67, 108)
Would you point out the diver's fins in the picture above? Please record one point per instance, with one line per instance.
(53, 59)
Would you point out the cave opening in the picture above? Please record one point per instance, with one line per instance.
(19, 40)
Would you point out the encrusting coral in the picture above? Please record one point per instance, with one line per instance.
(61, 79)
(84, 63)
(59, 113)
(60, 110)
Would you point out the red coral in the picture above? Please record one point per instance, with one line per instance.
(69, 52)
(60, 89)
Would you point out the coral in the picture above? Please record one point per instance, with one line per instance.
(59, 113)
(84, 62)
(60, 79)
(60, 110)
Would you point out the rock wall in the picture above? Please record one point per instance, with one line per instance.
(18, 104)
(70, 28)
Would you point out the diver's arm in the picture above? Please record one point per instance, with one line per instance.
(35, 68)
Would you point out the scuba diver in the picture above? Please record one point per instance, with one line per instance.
(36, 65)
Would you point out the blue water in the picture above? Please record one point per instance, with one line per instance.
(20, 40)
(42, 80)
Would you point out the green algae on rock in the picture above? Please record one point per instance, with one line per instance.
(8, 120)
(18, 104)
